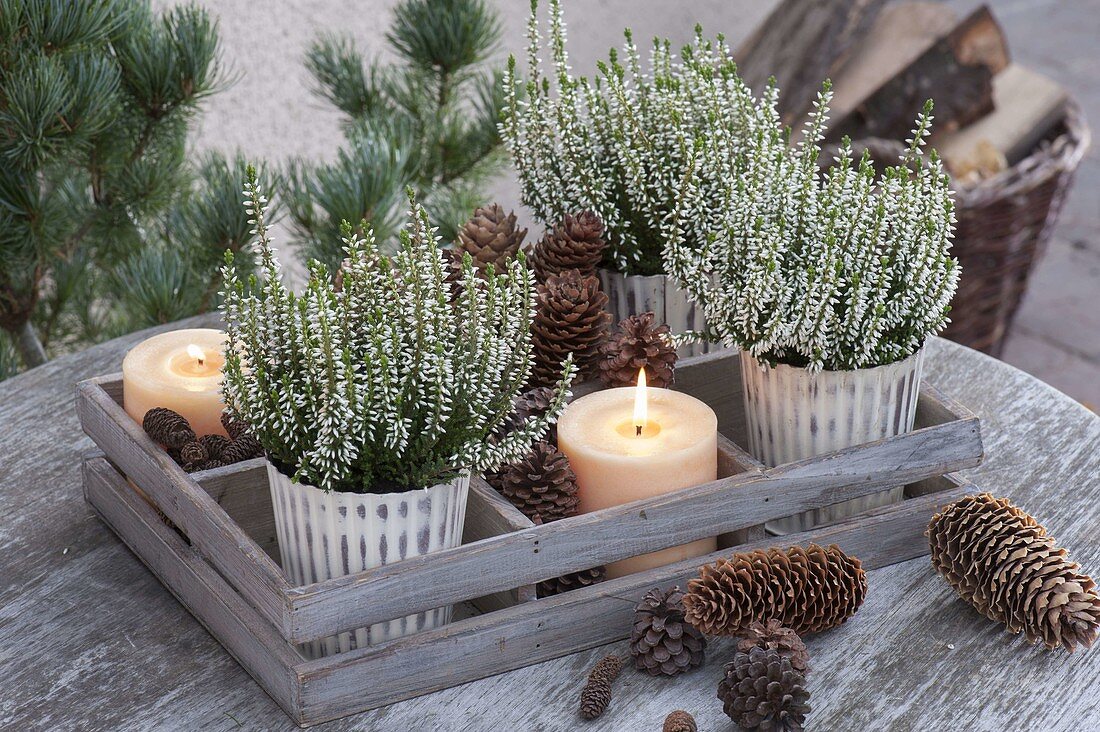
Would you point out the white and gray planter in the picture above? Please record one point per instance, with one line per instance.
(793, 414)
(632, 294)
(331, 534)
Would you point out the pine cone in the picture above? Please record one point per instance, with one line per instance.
(570, 317)
(762, 690)
(541, 484)
(535, 402)
(571, 581)
(807, 590)
(208, 465)
(774, 635)
(214, 445)
(638, 344)
(596, 694)
(575, 243)
(167, 427)
(245, 447)
(233, 427)
(660, 641)
(491, 237)
(193, 454)
(679, 721)
(1002, 561)
(607, 668)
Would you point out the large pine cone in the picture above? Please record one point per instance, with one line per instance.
(807, 590)
(570, 317)
(1003, 562)
(571, 581)
(774, 635)
(638, 344)
(762, 690)
(660, 641)
(491, 237)
(541, 485)
(575, 243)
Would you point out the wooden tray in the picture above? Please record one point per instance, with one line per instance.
(219, 556)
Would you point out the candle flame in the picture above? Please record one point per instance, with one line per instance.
(640, 405)
(196, 353)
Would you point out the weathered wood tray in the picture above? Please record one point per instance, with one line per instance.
(210, 538)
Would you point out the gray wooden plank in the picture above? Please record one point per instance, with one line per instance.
(578, 542)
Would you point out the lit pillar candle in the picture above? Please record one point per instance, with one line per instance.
(632, 443)
(180, 370)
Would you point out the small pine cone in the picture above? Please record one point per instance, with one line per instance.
(607, 668)
(167, 427)
(762, 690)
(570, 317)
(541, 484)
(233, 427)
(596, 694)
(571, 581)
(807, 590)
(774, 635)
(1002, 561)
(193, 453)
(491, 237)
(245, 447)
(575, 243)
(532, 403)
(214, 445)
(679, 721)
(637, 344)
(660, 641)
(208, 465)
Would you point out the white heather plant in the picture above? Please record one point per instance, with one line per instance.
(386, 381)
(832, 269)
(620, 144)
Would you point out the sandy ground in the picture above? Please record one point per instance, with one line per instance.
(271, 114)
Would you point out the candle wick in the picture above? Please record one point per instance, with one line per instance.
(637, 430)
(202, 362)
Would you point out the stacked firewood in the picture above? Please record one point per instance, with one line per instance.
(885, 60)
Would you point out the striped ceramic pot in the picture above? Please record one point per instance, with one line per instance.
(793, 414)
(330, 534)
(632, 294)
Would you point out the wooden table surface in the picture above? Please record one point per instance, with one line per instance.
(90, 640)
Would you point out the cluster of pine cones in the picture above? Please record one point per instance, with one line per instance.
(192, 452)
(764, 687)
(571, 315)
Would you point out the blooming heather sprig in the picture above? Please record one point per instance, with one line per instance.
(619, 144)
(384, 382)
(830, 269)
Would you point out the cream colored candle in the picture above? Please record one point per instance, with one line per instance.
(180, 370)
(616, 462)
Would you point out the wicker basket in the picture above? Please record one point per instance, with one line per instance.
(1004, 223)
